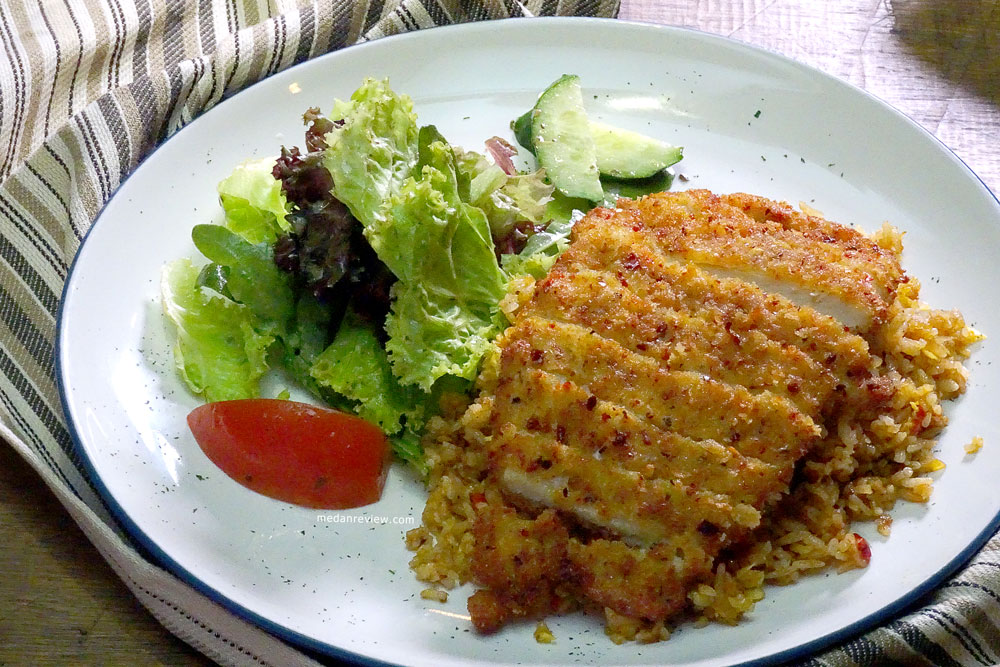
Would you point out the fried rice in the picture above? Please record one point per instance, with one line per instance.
(857, 473)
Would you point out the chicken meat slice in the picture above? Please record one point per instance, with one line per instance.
(834, 269)
(749, 324)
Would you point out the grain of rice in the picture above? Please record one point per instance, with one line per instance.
(435, 594)
(542, 633)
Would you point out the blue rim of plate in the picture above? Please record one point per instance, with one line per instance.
(906, 602)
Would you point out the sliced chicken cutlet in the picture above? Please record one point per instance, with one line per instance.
(652, 400)
(835, 269)
(620, 285)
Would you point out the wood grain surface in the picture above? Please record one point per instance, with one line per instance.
(60, 603)
(938, 61)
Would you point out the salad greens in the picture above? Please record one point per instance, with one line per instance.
(356, 367)
(445, 313)
(506, 199)
(251, 276)
(254, 203)
(540, 250)
(369, 268)
(401, 183)
(218, 351)
(373, 151)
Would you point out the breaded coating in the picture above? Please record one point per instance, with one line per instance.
(742, 311)
(835, 269)
(699, 339)
(691, 404)
(520, 562)
(655, 393)
(653, 589)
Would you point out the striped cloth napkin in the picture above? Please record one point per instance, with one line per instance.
(87, 89)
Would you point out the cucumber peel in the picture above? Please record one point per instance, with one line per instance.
(522, 130)
(562, 141)
(634, 188)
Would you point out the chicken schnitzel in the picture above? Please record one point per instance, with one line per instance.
(656, 392)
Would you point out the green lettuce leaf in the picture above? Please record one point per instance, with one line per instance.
(254, 203)
(406, 445)
(373, 151)
(305, 340)
(504, 199)
(218, 353)
(427, 135)
(477, 176)
(544, 247)
(355, 365)
(527, 194)
(444, 312)
(252, 277)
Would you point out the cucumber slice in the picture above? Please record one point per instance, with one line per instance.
(560, 135)
(522, 130)
(621, 154)
(626, 155)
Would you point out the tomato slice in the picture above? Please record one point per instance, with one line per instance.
(296, 452)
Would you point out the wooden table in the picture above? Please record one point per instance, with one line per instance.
(936, 60)
(59, 601)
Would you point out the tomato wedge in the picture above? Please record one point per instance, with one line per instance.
(296, 452)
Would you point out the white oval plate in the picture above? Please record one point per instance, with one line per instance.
(749, 121)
